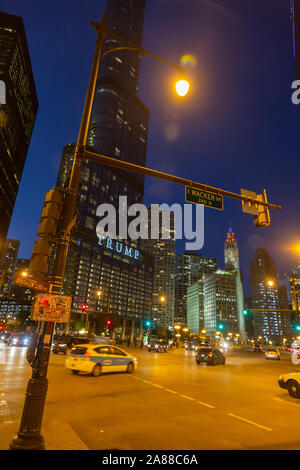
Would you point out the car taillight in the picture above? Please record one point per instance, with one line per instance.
(86, 354)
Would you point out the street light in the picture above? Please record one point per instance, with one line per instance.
(182, 87)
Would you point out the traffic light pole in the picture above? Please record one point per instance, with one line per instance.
(29, 436)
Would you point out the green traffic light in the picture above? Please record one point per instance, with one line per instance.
(245, 312)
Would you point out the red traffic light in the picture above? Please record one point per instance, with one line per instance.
(83, 307)
(108, 322)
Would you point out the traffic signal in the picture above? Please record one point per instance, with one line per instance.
(297, 326)
(148, 323)
(245, 312)
(261, 213)
(42, 249)
(51, 213)
(84, 307)
(39, 262)
(108, 322)
(263, 217)
(221, 325)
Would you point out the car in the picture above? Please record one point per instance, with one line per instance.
(4, 337)
(19, 339)
(210, 356)
(272, 353)
(257, 348)
(291, 382)
(65, 344)
(96, 359)
(158, 346)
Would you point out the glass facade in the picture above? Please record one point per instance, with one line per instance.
(266, 293)
(191, 266)
(7, 265)
(17, 115)
(220, 302)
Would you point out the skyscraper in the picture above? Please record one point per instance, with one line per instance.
(220, 303)
(163, 255)
(7, 265)
(266, 293)
(191, 266)
(295, 23)
(232, 264)
(118, 129)
(17, 115)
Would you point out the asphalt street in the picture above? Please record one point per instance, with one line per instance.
(170, 402)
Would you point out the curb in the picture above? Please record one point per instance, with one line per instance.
(59, 435)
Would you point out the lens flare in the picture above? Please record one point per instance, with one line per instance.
(188, 60)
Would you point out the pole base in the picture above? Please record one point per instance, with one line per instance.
(29, 436)
(27, 442)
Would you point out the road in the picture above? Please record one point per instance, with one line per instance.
(170, 402)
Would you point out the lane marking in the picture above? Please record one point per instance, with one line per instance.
(176, 393)
(288, 402)
(250, 422)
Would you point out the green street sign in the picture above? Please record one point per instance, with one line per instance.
(198, 196)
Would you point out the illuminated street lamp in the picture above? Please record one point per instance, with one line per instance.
(24, 273)
(270, 283)
(182, 87)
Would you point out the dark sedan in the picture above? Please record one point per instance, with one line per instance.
(210, 356)
(64, 345)
(158, 346)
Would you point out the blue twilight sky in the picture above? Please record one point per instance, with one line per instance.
(237, 129)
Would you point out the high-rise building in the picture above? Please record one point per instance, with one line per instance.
(295, 22)
(17, 115)
(266, 294)
(191, 266)
(220, 303)
(232, 264)
(7, 265)
(295, 293)
(118, 129)
(162, 251)
(195, 307)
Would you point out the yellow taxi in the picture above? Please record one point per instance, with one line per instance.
(96, 359)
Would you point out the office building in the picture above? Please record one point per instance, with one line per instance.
(162, 251)
(113, 279)
(271, 324)
(7, 265)
(220, 303)
(17, 115)
(191, 266)
(195, 307)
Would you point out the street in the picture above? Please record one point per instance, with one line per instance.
(170, 402)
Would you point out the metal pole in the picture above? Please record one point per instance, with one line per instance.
(29, 436)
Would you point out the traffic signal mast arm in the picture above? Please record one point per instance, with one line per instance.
(249, 200)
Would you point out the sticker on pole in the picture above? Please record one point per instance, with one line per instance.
(51, 307)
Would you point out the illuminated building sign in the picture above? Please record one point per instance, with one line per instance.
(119, 247)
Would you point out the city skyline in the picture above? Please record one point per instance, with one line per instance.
(182, 118)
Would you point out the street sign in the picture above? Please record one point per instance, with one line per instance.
(51, 307)
(198, 196)
(31, 282)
